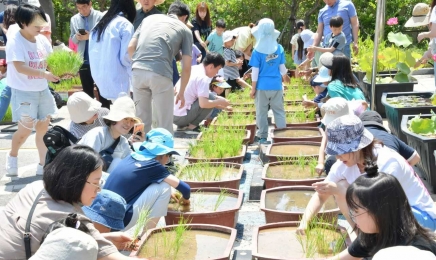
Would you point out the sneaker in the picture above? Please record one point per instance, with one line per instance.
(39, 170)
(11, 166)
(182, 128)
(194, 131)
(263, 141)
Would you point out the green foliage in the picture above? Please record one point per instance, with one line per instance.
(399, 39)
(8, 115)
(64, 63)
(66, 84)
(424, 126)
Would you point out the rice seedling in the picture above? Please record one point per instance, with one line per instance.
(221, 197)
(207, 172)
(140, 228)
(167, 243)
(293, 168)
(66, 84)
(240, 97)
(218, 132)
(235, 119)
(226, 144)
(64, 64)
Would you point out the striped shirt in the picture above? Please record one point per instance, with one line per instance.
(79, 130)
(230, 72)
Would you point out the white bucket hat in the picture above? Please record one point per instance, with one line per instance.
(266, 36)
(123, 107)
(307, 38)
(334, 108)
(420, 16)
(323, 75)
(229, 35)
(82, 107)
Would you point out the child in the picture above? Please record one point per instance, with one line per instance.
(231, 68)
(319, 84)
(305, 41)
(268, 71)
(196, 55)
(214, 41)
(336, 40)
(217, 87)
(297, 53)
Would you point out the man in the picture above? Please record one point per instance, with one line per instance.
(85, 20)
(346, 10)
(148, 7)
(153, 48)
(199, 102)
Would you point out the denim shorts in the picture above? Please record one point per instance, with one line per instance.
(31, 105)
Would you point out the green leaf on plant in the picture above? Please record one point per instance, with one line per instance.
(409, 60)
(401, 66)
(420, 125)
(402, 77)
(386, 80)
(399, 39)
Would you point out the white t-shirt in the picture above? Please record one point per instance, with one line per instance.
(294, 40)
(33, 54)
(390, 162)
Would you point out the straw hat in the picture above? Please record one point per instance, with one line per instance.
(420, 16)
(123, 107)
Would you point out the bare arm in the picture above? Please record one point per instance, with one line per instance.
(26, 70)
(184, 79)
(206, 103)
(430, 34)
(313, 207)
(321, 155)
(319, 33)
(320, 49)
(415, 159)
(132, 47)
(293, 51)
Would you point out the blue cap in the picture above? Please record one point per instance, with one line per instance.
(108, 209)
(158, 141)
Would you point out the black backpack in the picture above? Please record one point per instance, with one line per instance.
(58, 99)
(56, 139)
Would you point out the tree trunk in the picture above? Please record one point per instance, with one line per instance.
(311, 11)
(47, 6)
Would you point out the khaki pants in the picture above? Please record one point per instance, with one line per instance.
(147, 87)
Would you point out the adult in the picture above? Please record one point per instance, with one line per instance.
(86, 114)
(32, 103)
(85, 20)
(432, 33)
(245, 40)
(154, 47)
(11, 6)
(70, 181)
(355, 148)
(148, 7)
(144, 182)
(199, 102)
(119, 122)
(111, 66)
(201, 27)
(346, 10)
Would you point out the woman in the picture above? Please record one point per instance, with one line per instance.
(268, 64)
(383, 216)
(119, 122)
(297, 53)
(245, 40)
(32, 103)
(354, 146)
(110, 64)
(70, 181)
(202, 27)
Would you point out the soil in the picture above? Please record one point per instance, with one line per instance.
(296, 133)
(294, 201)
(226, 174)
(205, 202)
(294, 150)
(289, 172)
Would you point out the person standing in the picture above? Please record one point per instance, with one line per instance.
(110, 63)
(80, 26)
(202, 27)
(148, 7)
(153, 48)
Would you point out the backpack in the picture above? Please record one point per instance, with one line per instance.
(56, 139)
(58, 99)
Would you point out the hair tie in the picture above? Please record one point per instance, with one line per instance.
(77, 224)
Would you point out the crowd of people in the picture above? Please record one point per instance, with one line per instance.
(119, 163)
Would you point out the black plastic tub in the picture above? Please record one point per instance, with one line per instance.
(425, 147)
(381, 88)
(395, 114)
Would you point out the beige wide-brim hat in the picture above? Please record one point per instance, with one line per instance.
(420, 16)
(123, 107)
(82, 107)
(38, 21)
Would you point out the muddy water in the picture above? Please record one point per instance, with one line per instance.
(206, 202)
(290, 172)
(195, 245)
(210, 174)
(294, 201)
(282, 243)
(294, 150)
(296, 133)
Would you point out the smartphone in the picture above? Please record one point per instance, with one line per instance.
(138, 129)
(82, 31)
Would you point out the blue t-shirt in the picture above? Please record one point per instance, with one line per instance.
(320, 96)
(391, 141)
(130, 178)
(337, 89)
(342, 8)
(269, 69)
(215, 43)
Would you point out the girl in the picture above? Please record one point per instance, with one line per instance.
(202, 27)
(112, 35)
(32, 103)
(383, 216)
(297, 53)
(268, 62)
(217, 87)
(354, 147)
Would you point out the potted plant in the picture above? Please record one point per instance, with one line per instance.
(311, 134)
(66, 65)
(236, 120)
(420, 131)
(293, 150)
(215, 133)
(226, 148)
(398, 104)
(294, 93)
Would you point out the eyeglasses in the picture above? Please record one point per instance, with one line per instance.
(99, 186)
(353, 216)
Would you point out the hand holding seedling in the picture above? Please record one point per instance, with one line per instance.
(50, 77)
(319, 168)
(325, 187)
(120, 240)
(228, 108)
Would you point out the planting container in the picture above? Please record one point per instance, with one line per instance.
(310, 134)
(232, 183)
(279, 241)
(246, 139)
(226, 217)
(381, 88)
(271, 182)
(250, 127)
(276, 203)
(276, 151)
(395, 114)
(212, 242)
(425, 147)
(235, 159)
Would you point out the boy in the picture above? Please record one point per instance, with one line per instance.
(336, 40)
(319, 84)
(214, 41)
(231, 68)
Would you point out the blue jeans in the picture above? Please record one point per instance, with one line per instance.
(5, 100)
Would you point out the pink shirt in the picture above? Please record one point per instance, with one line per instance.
(198, 86)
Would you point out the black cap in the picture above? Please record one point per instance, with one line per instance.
(372, 118)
